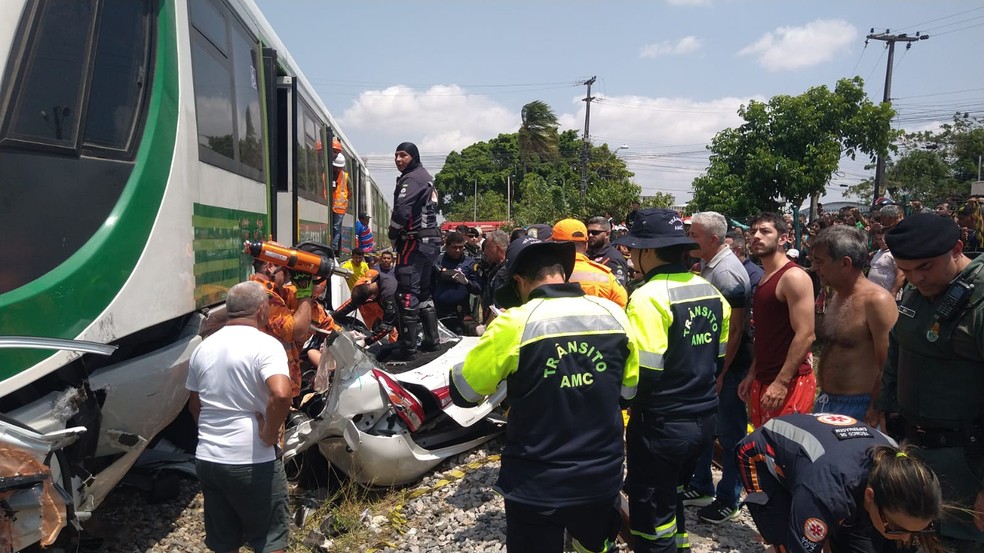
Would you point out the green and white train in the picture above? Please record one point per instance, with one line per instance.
(141, 142)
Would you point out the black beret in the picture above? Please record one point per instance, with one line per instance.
(922, 236)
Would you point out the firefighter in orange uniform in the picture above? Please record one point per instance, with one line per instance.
(595, 279)
(291, 308)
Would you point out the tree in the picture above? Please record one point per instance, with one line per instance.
(789, 147)
(545, 188)
(538, 136)
(491, 206)
(489, 164)
(934, 166)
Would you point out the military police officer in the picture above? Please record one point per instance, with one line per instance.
(933, 379)
(681, 322)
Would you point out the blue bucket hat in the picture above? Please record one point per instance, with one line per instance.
(655, 228)
(529, 251)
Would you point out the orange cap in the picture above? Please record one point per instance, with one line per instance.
(570, 230)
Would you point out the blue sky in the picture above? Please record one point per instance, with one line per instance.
(670, 74)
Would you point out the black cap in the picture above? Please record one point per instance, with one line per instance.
(363, 215)
(532, 252)
(922, 236)
(656, 228)
(540, 231)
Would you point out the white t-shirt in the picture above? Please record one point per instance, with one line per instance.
(229, 371)
(883, 270)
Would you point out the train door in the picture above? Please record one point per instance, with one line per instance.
(284, 202)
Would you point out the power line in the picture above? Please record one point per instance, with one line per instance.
(955, 23)
(941, 93)
(921, 23)
(960, 29)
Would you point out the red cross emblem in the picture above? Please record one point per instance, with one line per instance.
(815, 529)
(837, 420)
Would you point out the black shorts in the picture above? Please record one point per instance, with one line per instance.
(244, 504)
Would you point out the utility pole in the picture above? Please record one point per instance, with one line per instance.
(509, 197)
(475, 212)
(584, 151)
(891, 40)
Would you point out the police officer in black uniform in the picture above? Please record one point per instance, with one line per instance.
(933, 379)
(417, 238)
(816, 479)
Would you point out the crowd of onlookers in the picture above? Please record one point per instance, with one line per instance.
(467, 281)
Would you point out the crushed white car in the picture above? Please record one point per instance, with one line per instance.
(388, 424)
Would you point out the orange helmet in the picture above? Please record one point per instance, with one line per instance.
(336, 146)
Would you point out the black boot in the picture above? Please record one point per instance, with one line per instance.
(432, 336)
(409, 329)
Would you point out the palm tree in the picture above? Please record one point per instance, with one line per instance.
(538, 133)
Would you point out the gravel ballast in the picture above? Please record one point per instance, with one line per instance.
(454, 509)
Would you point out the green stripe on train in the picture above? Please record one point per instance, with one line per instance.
(63, 302)
(219, 259)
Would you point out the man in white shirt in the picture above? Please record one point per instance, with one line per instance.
(240, 396)
(882, 269)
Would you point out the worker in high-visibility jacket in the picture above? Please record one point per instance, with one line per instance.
(681, 324)
(595, 278)
(339, 200)
(568, 358)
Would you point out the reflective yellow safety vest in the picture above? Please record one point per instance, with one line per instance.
(567, 358)
(681, 322)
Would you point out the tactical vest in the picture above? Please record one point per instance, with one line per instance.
(941, 363)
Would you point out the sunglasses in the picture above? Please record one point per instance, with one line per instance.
(892, 530)
(596, 232)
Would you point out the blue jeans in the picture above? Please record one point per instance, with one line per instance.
(732, 423)
(851, 405)
(336, 232)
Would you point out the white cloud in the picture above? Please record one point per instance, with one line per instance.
(438, 120)
(689, 2)
(441, 118)
(685, 45)
(665, 136)
(791, 48)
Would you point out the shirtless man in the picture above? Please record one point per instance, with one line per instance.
(854, 332)
(780, 380)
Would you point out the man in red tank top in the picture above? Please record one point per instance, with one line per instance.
(781, 379)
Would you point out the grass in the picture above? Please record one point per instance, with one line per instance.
(348, 509)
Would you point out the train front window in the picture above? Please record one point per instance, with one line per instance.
(48, 99)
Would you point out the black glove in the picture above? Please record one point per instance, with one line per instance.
(304, 283)
(393, 233)
(381, 331)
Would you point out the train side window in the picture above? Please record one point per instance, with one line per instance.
(120, 75)
(211, 23)
(213, 103)
(249, 130)
(227, 98)
(311, 177)
(45, 104)
(301, 179)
